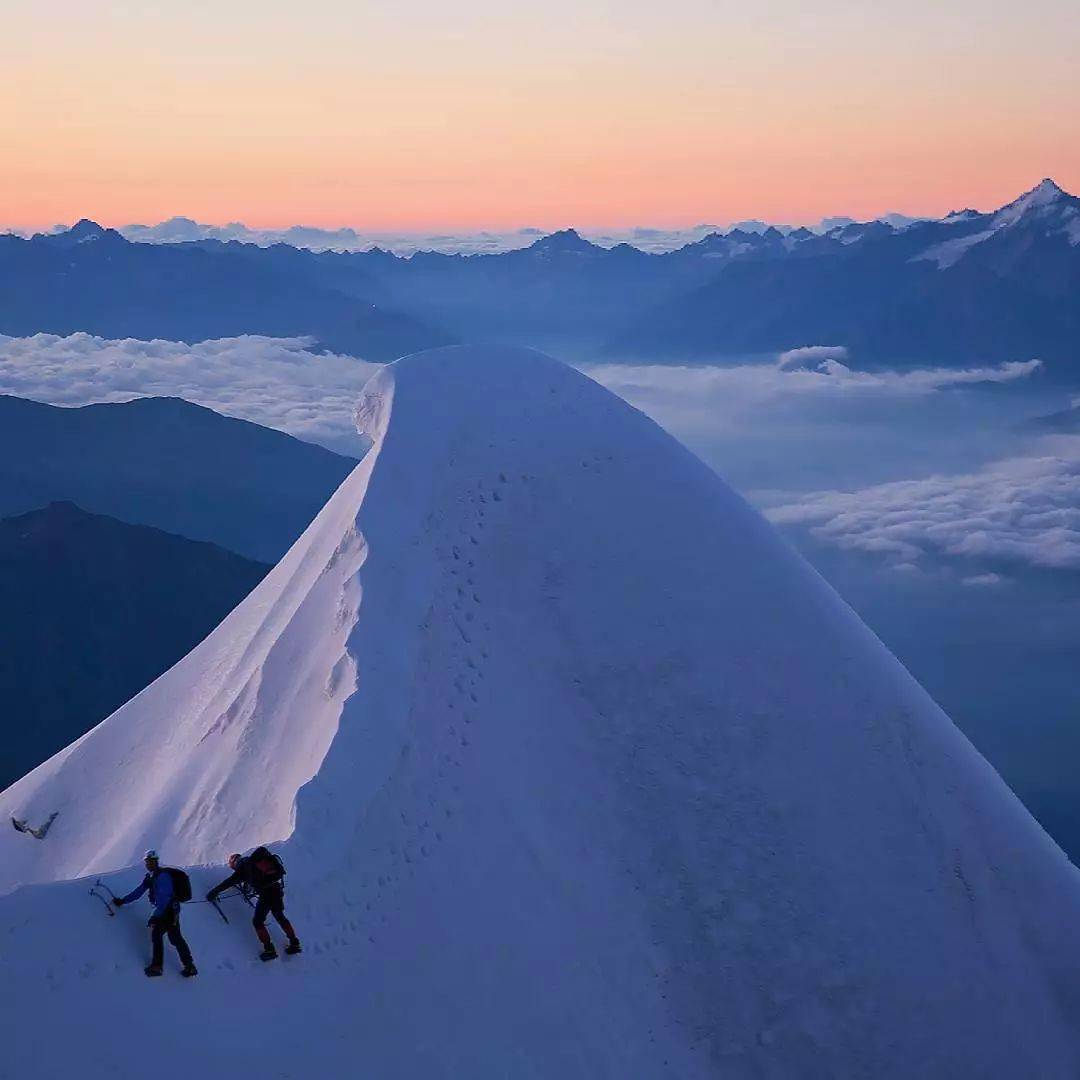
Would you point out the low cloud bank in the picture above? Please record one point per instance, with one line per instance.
(284, 383)
(811, 356)
(1020, 509)
(278, 382)
(1023, 510)
(813, 371)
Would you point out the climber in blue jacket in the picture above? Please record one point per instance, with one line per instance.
(166, 917)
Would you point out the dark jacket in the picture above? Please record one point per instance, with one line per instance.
(160, 884)
(246, 874)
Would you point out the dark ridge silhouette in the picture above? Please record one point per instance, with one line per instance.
(168, 463)
(91, 279)
(91, 611)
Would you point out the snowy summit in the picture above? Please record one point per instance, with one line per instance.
(581, 772)
(1046, 210)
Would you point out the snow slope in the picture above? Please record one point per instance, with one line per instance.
(584, 773)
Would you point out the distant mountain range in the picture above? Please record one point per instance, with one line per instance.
(91, 610)
(968, 288)
(179, 229)
(94, 280)
(971, 287)
(170, 464)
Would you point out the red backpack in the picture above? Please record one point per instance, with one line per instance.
(266, 867)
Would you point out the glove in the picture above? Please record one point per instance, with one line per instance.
(117, 902)
(212, 895)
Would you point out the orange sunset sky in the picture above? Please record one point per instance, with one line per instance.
(421, 115)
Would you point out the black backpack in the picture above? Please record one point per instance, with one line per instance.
(181, 884)
(266, 867)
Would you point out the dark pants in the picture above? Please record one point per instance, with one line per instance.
(271, 902)
(168, 924)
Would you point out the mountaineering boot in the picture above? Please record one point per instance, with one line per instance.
(152, 969)
(188, 970)
(269, 953)
(293, 947)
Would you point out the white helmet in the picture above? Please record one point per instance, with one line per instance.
(151, 854)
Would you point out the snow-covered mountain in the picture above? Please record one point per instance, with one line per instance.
(969, 288)
(1046, 211)
(583, 772)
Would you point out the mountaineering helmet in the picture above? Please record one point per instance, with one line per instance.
(235, 861)
(151, 854)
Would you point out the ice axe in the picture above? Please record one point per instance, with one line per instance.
(94, 892)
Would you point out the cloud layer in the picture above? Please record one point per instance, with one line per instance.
(812, 373)
(1023, 510)
(284, 384)
(277, 382)
(810, 356)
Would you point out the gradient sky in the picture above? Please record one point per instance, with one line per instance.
(424, 115)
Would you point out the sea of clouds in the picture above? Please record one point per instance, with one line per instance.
(814, 371)
(278, 382)
(1021, 510)
(1024, 507)
(810, 417)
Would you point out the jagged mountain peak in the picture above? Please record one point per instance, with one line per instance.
(1047, 211)
(1048, 189)
(84, 231)
(1046, 196)
(86, 227)
(563, 241)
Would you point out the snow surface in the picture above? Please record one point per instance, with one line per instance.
(584, 773)
(950, 252)
(1072, 227)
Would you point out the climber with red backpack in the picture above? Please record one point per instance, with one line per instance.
(262, 872)
(169, 888)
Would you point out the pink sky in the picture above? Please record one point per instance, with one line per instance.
(421, 116)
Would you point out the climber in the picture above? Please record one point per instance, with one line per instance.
(261, 871)
(168, 887)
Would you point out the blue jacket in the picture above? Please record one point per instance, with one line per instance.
(160, 884)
